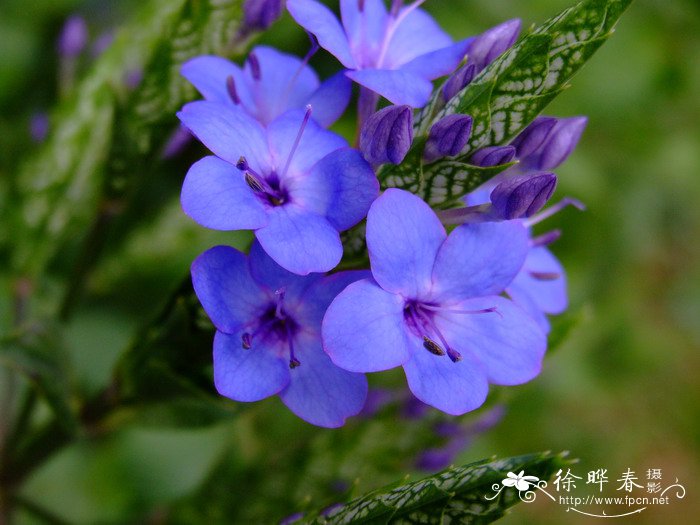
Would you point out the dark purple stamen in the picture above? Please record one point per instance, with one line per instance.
(396, 6)
(254, 66)
(304, 122)
(544, 276)
(419, 317)
(231, 88)
(246, 341)
(546, 238)
(361, 5)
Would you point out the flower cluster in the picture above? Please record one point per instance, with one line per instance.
(457, 308)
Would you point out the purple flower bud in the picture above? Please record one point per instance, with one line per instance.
(523, 196)
(260, 14)
(532, 137)
(39, 127)
(458, 81)
(387, 135)
(436, 459)
(177, 142)
(493, 156)
(101, 44)
(558, 145)
(292, 518)
(73, 37)
(448, 137)
(486, 47)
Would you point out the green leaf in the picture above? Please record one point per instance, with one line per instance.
(507, 95)
(456, 495)
(37, 354)
(106, 132)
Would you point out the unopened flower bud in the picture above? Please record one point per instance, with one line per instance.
(521, 197)
(73, 37)
(558, 145)
(448, 137)
(387, 135)
(486, 47)
(260, 14)
(493, 156)
(533, 137)
(458, 81)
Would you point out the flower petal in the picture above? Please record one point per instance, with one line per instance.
(542, 278)
(454, 388)
(507, 342)
(316, 142)
(266, 272)
(417, 34)
(438, 63)
(365, 29)
(341, 186)
(319, 20)
(247, 375)
(209, 75)
(216, 196)
(403, 239)
(300, 241)
(364, 329)
(397, 86)
(319, 392)
(285, 82)
(479, 259)
(317, 297)
(330, 99)
(224, 286)
(229, 132)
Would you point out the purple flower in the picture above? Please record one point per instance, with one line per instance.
(540, 286)
(39, 127)
(490, 44)
(260, 14)
(493, 156)
(433, 306)
(269, 84)
(395, 54)
(73, 37)
(548, 142)
(522, 196)
(268, 338)
(387, 135)
(448, 137)
(296, 184)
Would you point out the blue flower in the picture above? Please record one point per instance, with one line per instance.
(433, 306)
(395, 54)
(268, 338)
(269, 84)
(296, 184)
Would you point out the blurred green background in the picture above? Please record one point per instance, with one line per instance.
(620, 392)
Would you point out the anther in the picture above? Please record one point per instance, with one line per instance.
(254, 66)
(293, 363)
(231, 88)
(361, 5)
(396, 6)
(432, 347)
(253, 183)
(546, 238)
(544, 276)
(246, 342)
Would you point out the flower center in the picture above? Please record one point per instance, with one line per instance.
(274, 322)
(420, 318)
